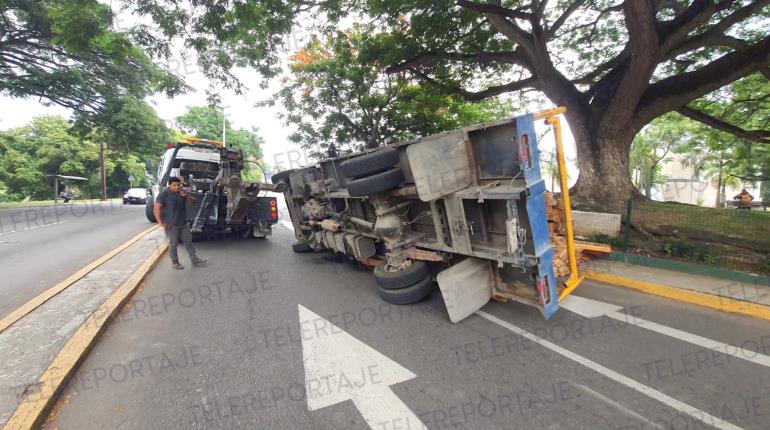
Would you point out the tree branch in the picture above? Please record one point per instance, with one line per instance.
(673, 31)
(716, 33)
(676, 91)
(760, 136)
(486, 8)
(479, 95)
(510, 57)
(551, 31)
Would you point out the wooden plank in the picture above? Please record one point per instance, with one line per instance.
(592, 248)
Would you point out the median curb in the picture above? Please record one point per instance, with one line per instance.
(43, 297)
(32, 411)
(713, 301)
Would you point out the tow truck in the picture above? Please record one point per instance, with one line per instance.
(465, 208)
(211, 174)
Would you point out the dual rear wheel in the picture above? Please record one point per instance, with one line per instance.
(408, 285)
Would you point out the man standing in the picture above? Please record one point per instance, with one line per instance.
(170, 211)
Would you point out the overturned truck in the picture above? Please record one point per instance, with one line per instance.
(465, 208)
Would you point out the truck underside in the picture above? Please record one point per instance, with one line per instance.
(464, 207)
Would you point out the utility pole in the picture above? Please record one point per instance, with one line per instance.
(103, 171)
(224, 129)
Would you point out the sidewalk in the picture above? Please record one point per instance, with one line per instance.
(31, 349)
(727, 295)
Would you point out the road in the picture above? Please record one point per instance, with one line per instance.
(40, 246)
(222, 347)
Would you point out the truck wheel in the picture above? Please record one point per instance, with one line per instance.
(148, 211)
(371, 163)
(402, 278)
(376, 183)
(301, 247)
(243, 231)
(407, 295)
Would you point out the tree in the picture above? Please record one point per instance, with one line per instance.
(205, 122)
(48, 146)
(65, 52)
(44, 147)
(335, 96)
(615, 65)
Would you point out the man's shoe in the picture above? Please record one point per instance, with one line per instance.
(177, 266)
(198, 261)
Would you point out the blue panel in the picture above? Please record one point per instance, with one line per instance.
(529, 159)
(545, 273)
(526, 148)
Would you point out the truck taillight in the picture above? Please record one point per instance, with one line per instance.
(273, 202)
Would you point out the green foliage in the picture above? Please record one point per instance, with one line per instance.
(65, 52)
(616, 66)
(336, 95)
(47, 147)
(205, 122)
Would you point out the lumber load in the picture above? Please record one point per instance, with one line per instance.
(583, 250)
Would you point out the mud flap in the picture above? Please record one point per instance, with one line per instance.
(466, 287)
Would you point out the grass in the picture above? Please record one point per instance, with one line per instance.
(730, 223)
(49, 202)
(730, 238)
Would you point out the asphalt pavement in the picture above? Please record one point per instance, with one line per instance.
(263, 338)
(41, 246)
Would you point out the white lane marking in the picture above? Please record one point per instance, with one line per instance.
(30, 228)
(590, 308)
(616, 405)
(652, 393)
(339, 367)
(286, 224)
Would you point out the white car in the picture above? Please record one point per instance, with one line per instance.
(136, 195)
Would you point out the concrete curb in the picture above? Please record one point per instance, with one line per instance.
(43, 297)
(713, 301)
(32, 411)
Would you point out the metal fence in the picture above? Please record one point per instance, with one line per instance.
(730, 238)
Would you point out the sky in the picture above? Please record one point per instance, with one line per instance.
(240, 110)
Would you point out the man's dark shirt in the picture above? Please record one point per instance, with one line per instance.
(174, 207)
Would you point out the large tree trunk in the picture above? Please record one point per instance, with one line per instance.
(603, 163)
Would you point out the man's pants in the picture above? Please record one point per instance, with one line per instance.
(178, 233)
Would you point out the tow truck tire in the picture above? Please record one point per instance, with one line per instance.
(244, 232)
(148, 211)
(402, 278)
(371, 163)
(376, 183)
(301, 247)
(407, 295)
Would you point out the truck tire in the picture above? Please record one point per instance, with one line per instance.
(243, 231)
(369, 164)
(148, 211)
(280, 176)
(402, 278)
(376, 183)
(407, 295)
(301, 247)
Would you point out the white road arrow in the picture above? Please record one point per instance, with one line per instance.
(339, 367)
(589, 308)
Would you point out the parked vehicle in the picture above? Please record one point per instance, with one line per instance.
(211, 174)
(136, 196)
(465, 208)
